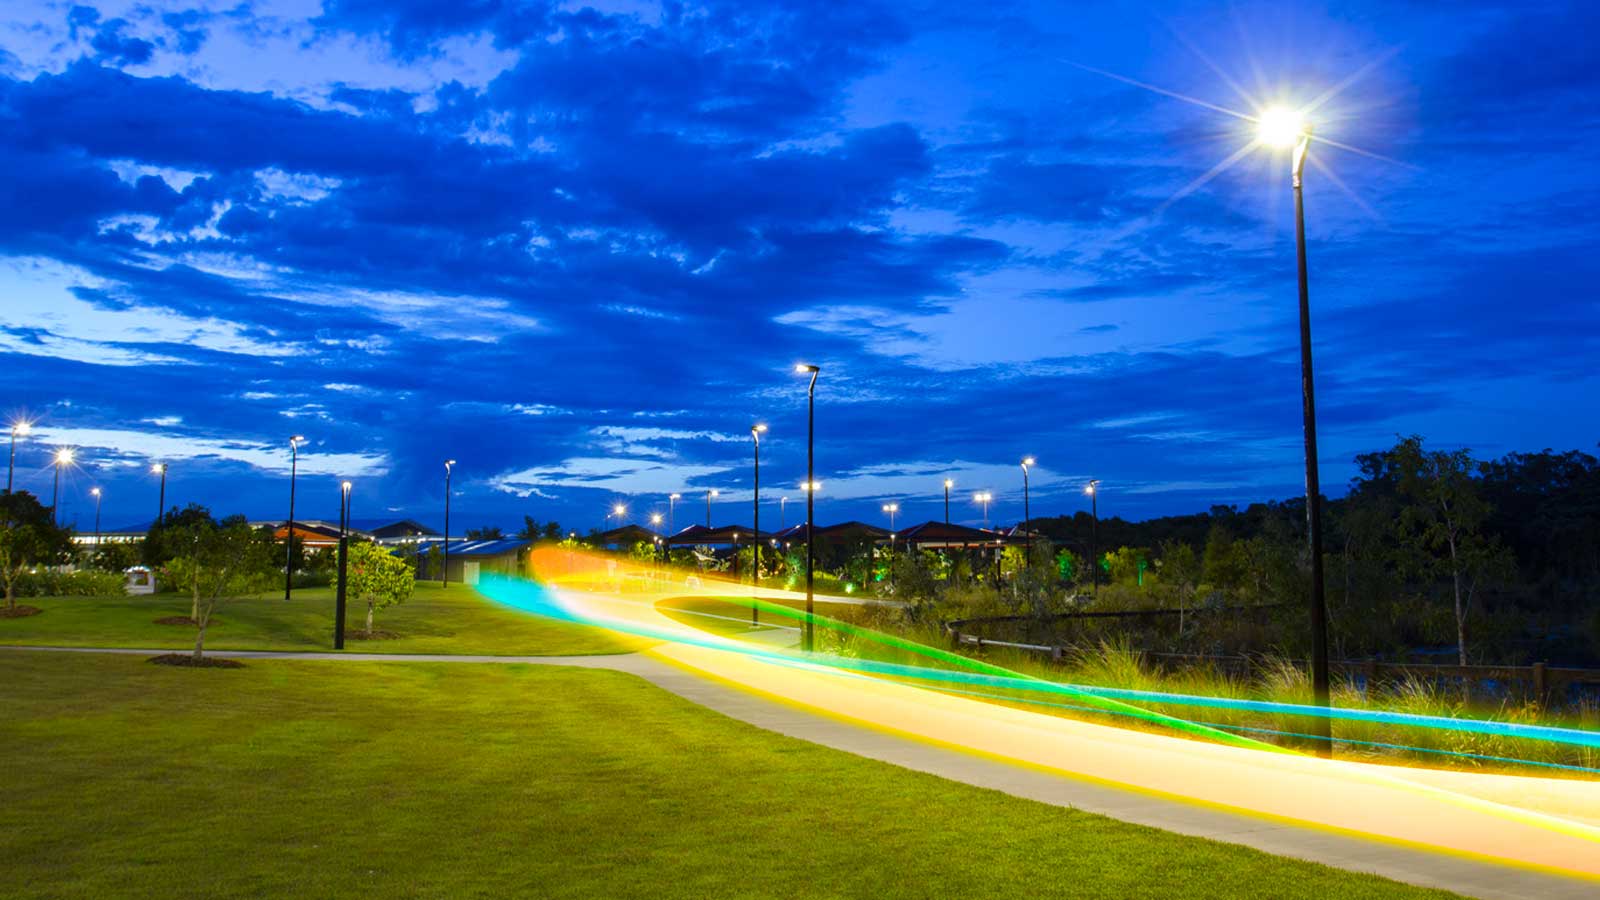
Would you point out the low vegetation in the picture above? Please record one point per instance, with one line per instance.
(355, 779)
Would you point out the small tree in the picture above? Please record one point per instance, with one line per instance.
(1442, 525)
(378, 578)
(29, 536)
(1180, 567)
(221, 562)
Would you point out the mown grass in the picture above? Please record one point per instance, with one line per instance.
(326, 779)
(453, 619)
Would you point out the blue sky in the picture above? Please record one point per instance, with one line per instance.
(580, 249)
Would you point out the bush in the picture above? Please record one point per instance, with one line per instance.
(83, 583)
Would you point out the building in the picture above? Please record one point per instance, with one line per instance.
(405, 531)
(470, 559)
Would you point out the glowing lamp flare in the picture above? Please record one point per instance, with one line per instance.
(1280, 126)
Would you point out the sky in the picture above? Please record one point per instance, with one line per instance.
(581, 248)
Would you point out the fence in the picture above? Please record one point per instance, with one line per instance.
(1538, 680)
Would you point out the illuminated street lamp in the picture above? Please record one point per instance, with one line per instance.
(18, 429)
(710, 492)
(161, 498)
(655, 519)
(891, 509)
(1027, 516)
(783, 507)
(288, 542)
(95, 492)
(811, 497)
(63, 457)
(1287, 129)
(672, 510)
(444, 574)
(948, 484)
(756, 431)
(1093, 490)
(984, 497)
(620, 511)
(344, 554)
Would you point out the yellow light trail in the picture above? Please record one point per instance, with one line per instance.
(1535, 822)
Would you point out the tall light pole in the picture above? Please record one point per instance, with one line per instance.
(288, 541)
(1027, 516)
(783, 504)
(948, 484)
(161, 498)
(18, 429)
(811, 499)
(984, 497)
(444, 573)
(756, 431)
(891, 509)
(672, 510)
(95, 492)
(63, 457)
(344, 555)
(710, 492)
(1093, 490)
(1286, 128)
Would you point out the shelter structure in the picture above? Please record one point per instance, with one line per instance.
(470, 559)
(934, 535)
(405, 531)
(625, 538)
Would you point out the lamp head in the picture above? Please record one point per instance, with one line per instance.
(674, 496)
(64, 456)
(297, 439)
(949, 483)
(344, 486)
(758, 429)
(158, 468)
(95, 492)
(21, 428)
(804, 368)
(713, 493)
(1027, 461)
(448, 463)
(1093, 484)
(1281, 127)
(655, 518)
(619, 509)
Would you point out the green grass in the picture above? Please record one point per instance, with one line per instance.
(436, 619)
(324, 779)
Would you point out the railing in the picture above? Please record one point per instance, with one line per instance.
(1542, 681)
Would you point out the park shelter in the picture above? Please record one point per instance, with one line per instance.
(311, 534)
(470, 559)
(624, 538)
(405, 531)
(947, 536)
(721, 536)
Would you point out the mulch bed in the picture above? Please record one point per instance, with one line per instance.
(178, 620)
(19, 612)
(188, 660)
(377, 634)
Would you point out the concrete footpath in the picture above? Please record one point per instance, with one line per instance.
(1411, 865)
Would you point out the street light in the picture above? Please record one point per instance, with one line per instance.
(95, 492)
(984, 497)
(344, 554)
(288, 542)
(756, 431)
(672, 511)
(948, 484)
(783, 507)
(161, 498)
(619, 510)
(63, 457)
(18, 429)
(1093, 490)
(1027, 516)
(811, 497)
(1287, 129)
(891, 509)
(444, 574)
(710, 492)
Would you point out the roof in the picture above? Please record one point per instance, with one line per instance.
(627, 534)
(402, 528)
(722, 534)
(484, 548)
(837, 533)
(934, 533)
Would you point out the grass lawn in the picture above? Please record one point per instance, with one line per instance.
(436, 619)
(320, 779)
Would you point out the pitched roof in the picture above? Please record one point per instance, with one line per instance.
(942, 534)
(402, 528)
(722, 534)
(627, 534)
(485, 548)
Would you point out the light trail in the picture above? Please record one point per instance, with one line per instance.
(1539, 822)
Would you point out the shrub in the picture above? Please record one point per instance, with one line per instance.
(83, 583)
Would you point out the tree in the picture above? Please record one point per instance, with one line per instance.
(29, 536)
(530, 529)
(1180, 568)
(552, 531)
(486, 533)
(221, 561)
(378, 578)
(1441, 524)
